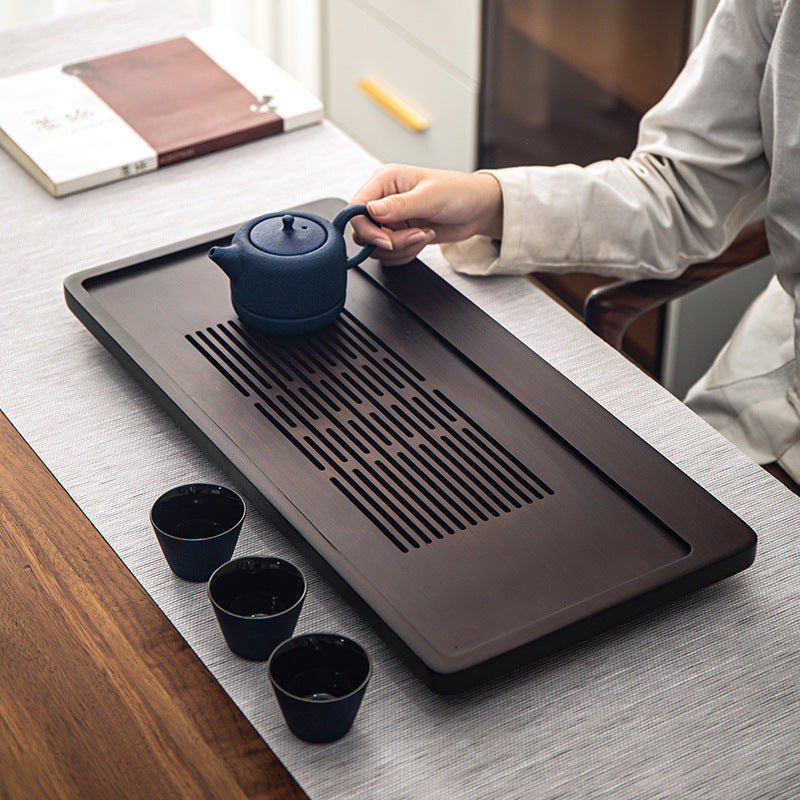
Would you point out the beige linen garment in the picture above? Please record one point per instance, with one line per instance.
(724, 139)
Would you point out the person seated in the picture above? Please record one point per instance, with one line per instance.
(723, 142)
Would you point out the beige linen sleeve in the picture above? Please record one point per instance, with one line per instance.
(696, 176)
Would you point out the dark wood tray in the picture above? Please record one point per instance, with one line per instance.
(475, 505)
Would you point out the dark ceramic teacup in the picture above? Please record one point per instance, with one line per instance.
(257, 601)
(319, 680)
(197, 526)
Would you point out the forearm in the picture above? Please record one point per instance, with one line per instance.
(697, 175)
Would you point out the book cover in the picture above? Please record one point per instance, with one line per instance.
(84, 124)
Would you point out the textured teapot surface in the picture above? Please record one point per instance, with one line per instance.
(288, 271)
(288, 235)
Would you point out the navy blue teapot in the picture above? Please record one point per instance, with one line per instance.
(288, 271)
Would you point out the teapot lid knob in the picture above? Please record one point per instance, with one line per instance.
(288, 235)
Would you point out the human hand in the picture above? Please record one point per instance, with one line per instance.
(417, 205)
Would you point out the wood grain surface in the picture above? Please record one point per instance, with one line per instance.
(100, 696)
(610, 309)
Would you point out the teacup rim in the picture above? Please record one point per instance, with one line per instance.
(259, 616)
(361, 686)
(199, 485)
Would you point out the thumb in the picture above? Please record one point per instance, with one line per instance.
(394, 208)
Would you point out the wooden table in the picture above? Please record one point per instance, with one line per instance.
(100, 696)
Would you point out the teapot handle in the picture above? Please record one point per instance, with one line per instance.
(339, 222)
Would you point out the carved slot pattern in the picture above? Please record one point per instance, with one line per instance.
(401, 451)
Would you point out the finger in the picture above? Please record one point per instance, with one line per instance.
(367, 232)
(364, 235)
(409, 250)
(391, 210)
(389, 180)
(397, 259)
(401, 240)
(422, 202)
(385, 180)
(412, 237)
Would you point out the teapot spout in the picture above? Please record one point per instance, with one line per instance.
(227, 258)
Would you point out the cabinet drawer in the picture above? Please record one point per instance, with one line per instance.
(359, 48)
(448, 28)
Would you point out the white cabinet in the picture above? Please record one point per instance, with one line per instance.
(402, 79)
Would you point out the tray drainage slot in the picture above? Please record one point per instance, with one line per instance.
(401, 451)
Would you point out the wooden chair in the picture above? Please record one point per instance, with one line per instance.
(610, 309)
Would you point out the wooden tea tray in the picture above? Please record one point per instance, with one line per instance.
(475, 505)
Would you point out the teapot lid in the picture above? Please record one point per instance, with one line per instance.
(288, 235)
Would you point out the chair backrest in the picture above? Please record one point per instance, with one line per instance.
(610, 309)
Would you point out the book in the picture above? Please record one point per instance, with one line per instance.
(80, 125)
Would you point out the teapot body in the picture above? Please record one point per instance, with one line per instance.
(288, 271)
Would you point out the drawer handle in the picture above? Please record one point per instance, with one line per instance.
(393, 105)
